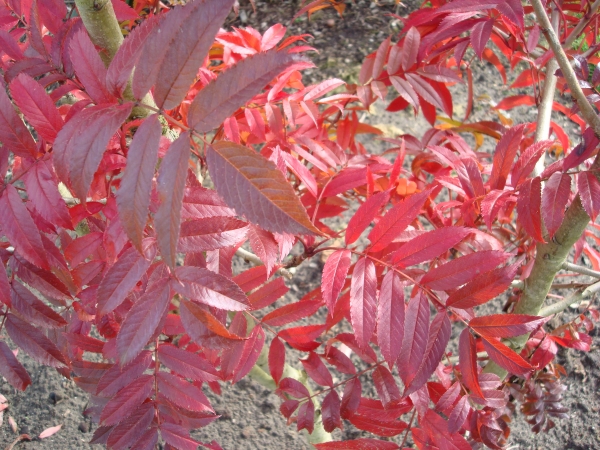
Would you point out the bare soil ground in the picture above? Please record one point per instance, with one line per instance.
(250, 417)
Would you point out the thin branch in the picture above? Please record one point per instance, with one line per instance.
(251, 257)
(574, 298)
(580, 269)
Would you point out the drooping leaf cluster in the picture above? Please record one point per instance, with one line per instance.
(116, 244)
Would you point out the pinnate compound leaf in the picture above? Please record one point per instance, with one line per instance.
(588, 187)
(34, 342)
(482, 288)
(190, 311)
(14, 135)
(416, 333)
(386, 387)
(364, 216)
(363, 302)
(127, 400)
(505, 325)
(177, 436)
(429, 245)
(122, 277)
(188, 364)
(210, 288)
(506, 357)
(334, 276)
(358, 444)
(33, 309)
(171, 187)
(143, 319)
(330, 409)
(12, 369)
(37, 106)
(19, 228)
(396, 220)
(529, 204)
(183, 394)
(504, 156)
(315, 368)
(459, 271)
(390, 316)
(234, 87)
(467, 355)
(131, 429)
(89, 143)
(439, 335)
(255, 188)
(133, 196)
(554, 200)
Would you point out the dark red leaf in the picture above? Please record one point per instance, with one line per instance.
(122, 277)
(386, 387)
(554, 200)
(459, 414)
(334, 276)
(351, 398)
(33, 309)
(504, 156)
(293, 388)
(529, 204)
(133, 196)
(171, 185)
(505, 357)
(131, 429)
(85, 343)
(396, 220)
(429, 245)
(255, 188)
(14, 135)
(330, 410)
(188, 364)
(467, 354)
(183, 394)
(12, 370)
(414, 342)
(34, 342)
(316, 370)
(119, 376)
(276, 359)
(148, 440)
(306, 416)
(482, 288)
(363, 302)
(142, 321)
(177, 436)
(390, 316)
(588, 187)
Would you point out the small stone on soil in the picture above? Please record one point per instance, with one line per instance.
(83, 427)
(55, 397)
(248, 432)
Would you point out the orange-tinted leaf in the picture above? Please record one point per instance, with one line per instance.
(363, 302)
(554, 200)
(133, 196)
(171, 185)
(334, 276)
(190, 311)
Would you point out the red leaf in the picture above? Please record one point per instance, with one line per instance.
(330, 410)
(589, 191)
(4, 286)
(122, 277)
(306, 416)
(251, 278)
(459, 414)
(183, 394)
(34, 342)
(255, 188)
(410, 49)
(142, 321)
(439, 335)
(380, 58)
(119, 376)
(338, 359)
(131, 429)
(268, 294)
(428, 245)
(529, 205)
(12, 370)
(250, 351)
(211, 233)
(316, 370)
(127, 400)
(82, 247)
(133, 196)
(175, 50)
(234, 87)
(459, 271)
(468, 362)
(37, 106)
(414, 342)
(209, 288)
(505, 357)
(364, 215)
(42, 190)
(187, 364)
(14, 135)
(379, 427)
(302, 338)
(148, 440)
(504, 156)
(293, 388)
(482, 288)
(19, 228)
(554, 200)
(480, 35)
(292, 312)
(363, 302)
(386, 387)
(430, 92)
(334, 276)
(190, 311)
(396, 220)
(504, 325)
(171, 185)
(390, 316)
(351, 398)
(33, 309)
(264, 245)
(527, 161)
(85, 343)
(276, 359)
(359, 444)
(177, 436)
